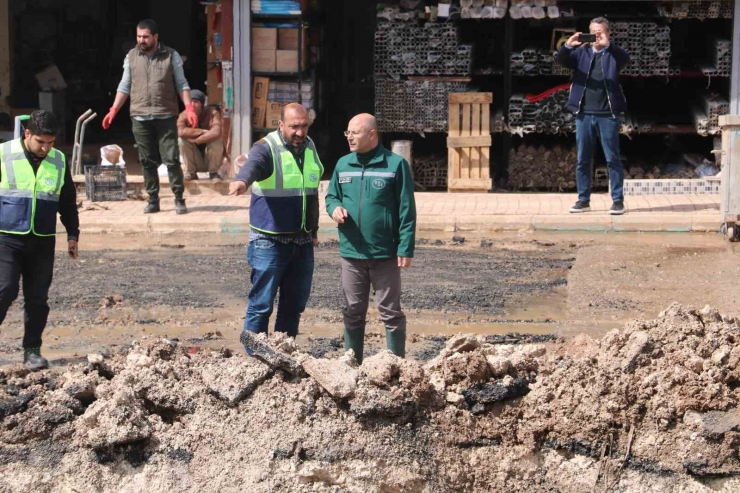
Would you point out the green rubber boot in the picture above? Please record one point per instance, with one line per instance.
(354, 339)
(396, 341)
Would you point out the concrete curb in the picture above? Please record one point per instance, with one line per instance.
(239, 224)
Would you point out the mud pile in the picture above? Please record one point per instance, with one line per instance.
(653, 407)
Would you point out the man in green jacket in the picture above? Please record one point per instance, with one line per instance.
(371, 197)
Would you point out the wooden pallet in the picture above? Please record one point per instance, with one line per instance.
(469, 142)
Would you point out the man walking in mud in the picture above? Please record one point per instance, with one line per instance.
(371, 197)
(284, 171)
(35, 184)
(153, 76)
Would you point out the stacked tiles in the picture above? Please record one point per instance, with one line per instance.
(648, 45)
(483, 9)
(721, 64)
(412, 49)
(697, 9)
(548, 115)
(413, 106)
(707, 112)
(533, 9)
(536, 62)
(542, 167)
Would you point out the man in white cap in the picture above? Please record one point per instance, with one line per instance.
(201, 148)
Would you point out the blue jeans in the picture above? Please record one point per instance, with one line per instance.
(287, 268)
(589, 129)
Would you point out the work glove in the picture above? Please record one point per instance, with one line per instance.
(109, 117)
(192, 117)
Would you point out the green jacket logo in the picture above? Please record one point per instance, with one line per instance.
(378, 184)
(50, 182)
(312, 177)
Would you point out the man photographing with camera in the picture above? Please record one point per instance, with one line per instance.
(597, 99)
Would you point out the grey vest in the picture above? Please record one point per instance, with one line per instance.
(153, 89)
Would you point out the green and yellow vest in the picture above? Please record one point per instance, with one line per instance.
(280, 203)
(29, 201)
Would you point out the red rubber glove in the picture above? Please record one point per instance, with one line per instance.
(109, 117)
(192, 117)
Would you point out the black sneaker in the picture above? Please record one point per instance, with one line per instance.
(617, 209)
(214, 176)
(580, 206)
(180, 207)
(33, 360)
(151, 208)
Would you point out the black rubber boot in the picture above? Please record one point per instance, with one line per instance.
(180, 207)
(354, 339)
(396, 341)
(33, 360)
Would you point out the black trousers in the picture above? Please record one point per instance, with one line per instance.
(32, 257)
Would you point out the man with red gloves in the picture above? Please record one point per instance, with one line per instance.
(153, 77)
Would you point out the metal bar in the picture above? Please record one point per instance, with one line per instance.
(735, 80)
(242, 119)
(75, 146)
(78, 163)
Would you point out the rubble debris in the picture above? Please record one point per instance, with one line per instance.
(257, 343)
(488, 393)
(480, 417)
(116, 420)
(335, 376)
(232, 382)
(15, 405)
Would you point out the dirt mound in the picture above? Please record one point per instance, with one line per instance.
(653, 407)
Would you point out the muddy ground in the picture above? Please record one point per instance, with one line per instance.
(192, 288)
(572, 384)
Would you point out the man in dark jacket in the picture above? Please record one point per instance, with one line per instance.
(35, 185)
(371, 197)
(597, 99)
(284, 171)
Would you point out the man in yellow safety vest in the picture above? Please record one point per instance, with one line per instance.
(35, 184)
(284, 170)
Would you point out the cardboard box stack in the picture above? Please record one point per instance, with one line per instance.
(264, 48)
(259, 100)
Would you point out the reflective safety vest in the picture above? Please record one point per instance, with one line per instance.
(278, 204)
(29, 202)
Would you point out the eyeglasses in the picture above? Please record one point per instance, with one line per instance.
(347, 133)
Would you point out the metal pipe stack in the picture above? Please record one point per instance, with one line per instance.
(697, 9)
(707, 112)
(721, 65)
(548, 115)
(531, 61)
(483, 9)
(542, 167)
(533, 9)
(649, 47)
(405, 48)
(413, 106)
(633, 125)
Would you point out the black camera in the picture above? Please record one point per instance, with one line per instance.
(587, 38)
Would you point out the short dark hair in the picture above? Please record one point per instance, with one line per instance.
(43, 123)
(601, 20)
(148, 24)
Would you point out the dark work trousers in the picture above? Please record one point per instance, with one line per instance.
(385, 277)
(156, 142)
(32, 257)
